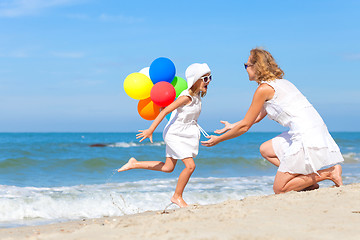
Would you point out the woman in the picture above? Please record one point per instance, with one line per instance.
(302, 151)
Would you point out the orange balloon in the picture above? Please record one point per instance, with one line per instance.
(147, 109)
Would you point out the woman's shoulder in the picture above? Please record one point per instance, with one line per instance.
(265, 86)
(275, 83)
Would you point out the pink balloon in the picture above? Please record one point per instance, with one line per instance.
(163, 93)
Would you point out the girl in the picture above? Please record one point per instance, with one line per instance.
(302, 151)
(181, 134)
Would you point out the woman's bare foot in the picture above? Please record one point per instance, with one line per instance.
(335, 175)
(309, 188)
(129, 165)
(178, 201)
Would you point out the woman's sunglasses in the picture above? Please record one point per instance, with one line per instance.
(246, 65)
(206, 79)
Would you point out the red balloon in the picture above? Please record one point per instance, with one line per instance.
(163, 93)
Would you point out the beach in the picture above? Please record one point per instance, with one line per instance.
(326, 213)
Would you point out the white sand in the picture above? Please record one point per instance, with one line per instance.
(328, 213)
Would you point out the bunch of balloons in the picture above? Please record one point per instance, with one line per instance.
(155, 86)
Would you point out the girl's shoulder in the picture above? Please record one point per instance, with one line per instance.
(186, 93)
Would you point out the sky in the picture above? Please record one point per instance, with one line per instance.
(63, 62)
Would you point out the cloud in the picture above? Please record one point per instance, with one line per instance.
(79, 16)
(352, 57)
(106, 18)
(68, 54)
(19, 8)
(19, 53)
(87, 82)
(119, 18)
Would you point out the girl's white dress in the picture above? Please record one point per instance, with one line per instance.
(308, 145)
(182, 134)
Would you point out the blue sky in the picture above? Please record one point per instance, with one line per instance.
(63, 62)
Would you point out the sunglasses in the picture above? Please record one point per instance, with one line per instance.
(206, 79)
(246, 65)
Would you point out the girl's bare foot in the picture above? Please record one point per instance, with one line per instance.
(129, 165)
(335, 175)
(178, 201)
(309, 188)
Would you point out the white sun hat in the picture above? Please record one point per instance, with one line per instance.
(195, 71)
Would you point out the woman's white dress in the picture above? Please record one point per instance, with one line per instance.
(182, 134)
(308, 145)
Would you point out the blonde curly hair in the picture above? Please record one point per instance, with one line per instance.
(266, 69)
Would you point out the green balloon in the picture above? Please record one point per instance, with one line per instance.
(179, 84)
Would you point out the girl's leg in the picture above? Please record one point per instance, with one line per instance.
(182, 181)
(285, 182)
(267, 151)
(168, 166)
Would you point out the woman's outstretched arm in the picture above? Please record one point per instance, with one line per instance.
(229, 126)
(261, 115)
(263, 93)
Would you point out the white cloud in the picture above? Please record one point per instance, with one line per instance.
(119, 18)
(78, 16)
(19, 53)
(68, 54)
(87, 82)
(352, 56)
(106, 18)
(18, 8)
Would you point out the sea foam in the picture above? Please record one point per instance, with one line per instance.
(29, 204)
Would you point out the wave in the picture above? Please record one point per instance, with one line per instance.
(102, 163)
(17, 163)
(127, 144)
(33, 205)
(351, 157)
(26, 205)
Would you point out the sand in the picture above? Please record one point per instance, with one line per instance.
(326, 213)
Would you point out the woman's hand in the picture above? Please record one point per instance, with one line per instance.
(213, 140)
(144, 134)
(227, 127)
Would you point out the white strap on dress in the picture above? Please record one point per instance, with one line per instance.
(203, 132)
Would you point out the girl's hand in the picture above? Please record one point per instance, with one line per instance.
(144, 134)
(213, 140)
(227, 127)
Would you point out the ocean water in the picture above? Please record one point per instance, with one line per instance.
(54, 177)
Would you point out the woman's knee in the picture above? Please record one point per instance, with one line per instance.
(281, 182)
(265, 149)
(278, 189)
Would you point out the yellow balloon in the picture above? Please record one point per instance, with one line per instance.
(138, 86)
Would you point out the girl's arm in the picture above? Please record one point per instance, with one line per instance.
(263, 93)
(183, 100)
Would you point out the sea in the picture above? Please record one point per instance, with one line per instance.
(56, 177)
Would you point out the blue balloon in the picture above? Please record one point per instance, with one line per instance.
(162, 69)
(168, 116)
